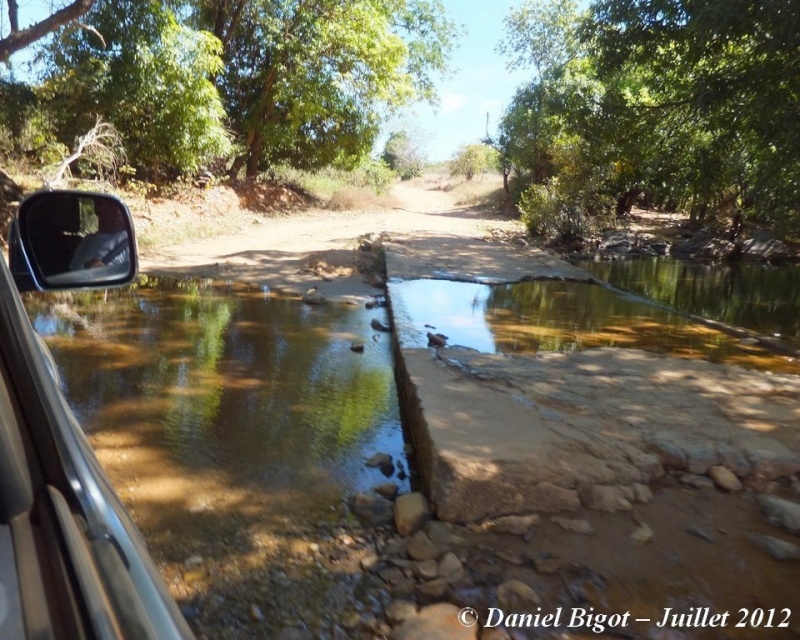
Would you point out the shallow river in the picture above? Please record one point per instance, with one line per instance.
(235, 423)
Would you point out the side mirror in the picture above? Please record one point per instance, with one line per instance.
(72, 240)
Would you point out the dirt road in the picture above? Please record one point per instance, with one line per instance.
(289, 253)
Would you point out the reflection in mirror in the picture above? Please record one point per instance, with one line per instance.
(107, 243)
(77, 239)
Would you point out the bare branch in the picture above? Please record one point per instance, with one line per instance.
(19, 39)
(91, 29)
(102, 146)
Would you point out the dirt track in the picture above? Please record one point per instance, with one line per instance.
(282, 252)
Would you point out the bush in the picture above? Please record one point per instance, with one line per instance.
(474, 159)
(562, 215)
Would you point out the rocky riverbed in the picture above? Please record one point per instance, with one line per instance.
(692, 539)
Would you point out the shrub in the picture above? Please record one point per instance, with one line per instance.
(474, 159)
(562, 215)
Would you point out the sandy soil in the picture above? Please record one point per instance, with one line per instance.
(316, 247)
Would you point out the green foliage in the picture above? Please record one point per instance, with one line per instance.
(561, 214)
(307, 84)
(377, 175)
(474, 159)
(149, 77)
(691, 106)
(404, 154)
(541, 35)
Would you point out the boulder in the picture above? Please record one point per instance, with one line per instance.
(411, 512)
(436, 622)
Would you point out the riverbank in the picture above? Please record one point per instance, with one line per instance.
(682, 528)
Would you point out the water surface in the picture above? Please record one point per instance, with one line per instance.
(562, 316)
(236, 379)
(759, 297)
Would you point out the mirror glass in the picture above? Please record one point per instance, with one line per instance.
(76, 239)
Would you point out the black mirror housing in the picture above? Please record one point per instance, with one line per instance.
(62, 240)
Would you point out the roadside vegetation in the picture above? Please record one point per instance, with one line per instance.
(677, 107)
(668, 105)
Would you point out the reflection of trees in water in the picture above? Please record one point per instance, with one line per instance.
(564, 316)
(251, 379)
(762, 298)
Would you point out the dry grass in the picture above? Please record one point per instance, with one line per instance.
(484, 191)
(358, 199)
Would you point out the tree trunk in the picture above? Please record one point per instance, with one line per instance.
(625, 202)
(254, 155)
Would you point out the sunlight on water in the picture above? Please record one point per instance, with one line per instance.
(562, 316)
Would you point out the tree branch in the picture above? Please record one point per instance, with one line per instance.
(19, 39)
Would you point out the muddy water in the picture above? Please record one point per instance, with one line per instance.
(233, 424)
(266, 388)
(565, 316)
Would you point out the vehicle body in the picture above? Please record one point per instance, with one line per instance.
(72, 563)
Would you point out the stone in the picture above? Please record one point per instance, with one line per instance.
(314, 298)
(426, 569)
(699, 532)
(642, 493)
(517, 525)
(514, 596)
(421, 548)
(642, 534)
(388, 490)
(411, 511)
(451, 569)
(764, 246)
(432, 590)
(775, 547)
(724, 478)
(378, 460)
(379, 325)
(781, 513)
(671, 455)
(371, 511)
(733, 459)
(437, 340)
(193, 562)
(606, 498)
(696, 481)
(400, 610)
(392, 575)
(574, 526)
(701, 457)
(256, 615)
(377, 281)
(548, 566)
(435, 622)
(442, 533)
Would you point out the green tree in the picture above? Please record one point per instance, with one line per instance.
(149, 76)
(474, 159)
(307, 83)
(727, 73)
(541, 35)
(404, 154)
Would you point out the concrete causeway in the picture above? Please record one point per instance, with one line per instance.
(553, 431)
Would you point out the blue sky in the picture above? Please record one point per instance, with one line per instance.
(480, 85)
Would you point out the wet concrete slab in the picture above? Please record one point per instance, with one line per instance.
(556, 431)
